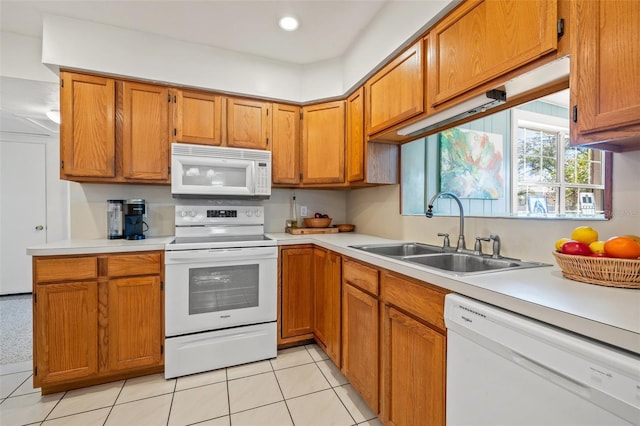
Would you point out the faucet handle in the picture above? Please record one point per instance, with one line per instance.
(477, 248)
(496, 246)
(446, 243)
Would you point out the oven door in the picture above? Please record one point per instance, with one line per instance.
(192, 175)
(219, 288)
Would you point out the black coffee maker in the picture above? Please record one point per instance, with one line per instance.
(134, 225)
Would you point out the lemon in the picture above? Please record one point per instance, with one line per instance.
(560, 242)
(584, 234)
(597, 247)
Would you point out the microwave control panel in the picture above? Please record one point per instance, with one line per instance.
(263, 178)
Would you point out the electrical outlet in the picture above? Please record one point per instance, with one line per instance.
(303, 211)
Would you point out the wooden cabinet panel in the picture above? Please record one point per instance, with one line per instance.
(484, 39)
(360, 338)
(197, 117)
(134, 322)
(361, 276)
(87, 127)
(326, 325)
(248, 123)
(123, 265)
(355, 137)
(65, 268)
(66, 316)
(396, 92)
(605, 59)
(145, 131)
(414, 378)
(285, 146)
(323, 137)
(415, 297)
(297, 292)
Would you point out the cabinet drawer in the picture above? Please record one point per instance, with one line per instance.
(65, 269)
(123, 265)
(418, 299)
(361, 276)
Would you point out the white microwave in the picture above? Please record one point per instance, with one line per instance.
(211, 171)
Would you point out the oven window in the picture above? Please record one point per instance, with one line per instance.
(198, 175)
(223, 288)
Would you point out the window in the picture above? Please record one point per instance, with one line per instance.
(515, 163)
(549, 174)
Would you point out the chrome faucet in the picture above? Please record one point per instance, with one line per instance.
(429, 213)
(496, 246)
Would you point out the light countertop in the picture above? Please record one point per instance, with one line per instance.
(610, 315)
(102, 245)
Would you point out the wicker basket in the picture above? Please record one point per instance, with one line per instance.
(317, 222)
(600, 270)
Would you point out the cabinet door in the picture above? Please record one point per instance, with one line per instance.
(327, 302)
(323, 136)
(414, 358)
(605, 60)
(66, 324)
(145, 132)
(360, 363)
(297, 292)
(197, 117)
(87, 126)
(483, 39)
(396, 92)
(134, 322)
(248, 124)
(285, 146)
(355, 137)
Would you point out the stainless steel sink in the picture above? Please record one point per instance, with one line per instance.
(456, 263)
(400, 250)
(465, 263)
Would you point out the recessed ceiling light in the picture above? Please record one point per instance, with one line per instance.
(288, 23)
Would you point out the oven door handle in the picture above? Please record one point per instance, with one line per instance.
(217, 255)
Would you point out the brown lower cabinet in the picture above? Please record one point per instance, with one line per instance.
(96, 318)
(393, 337)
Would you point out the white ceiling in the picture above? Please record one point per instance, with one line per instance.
(327, 29)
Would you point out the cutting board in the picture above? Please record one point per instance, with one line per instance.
(303, 231)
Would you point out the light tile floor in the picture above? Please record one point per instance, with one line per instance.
(299, 387)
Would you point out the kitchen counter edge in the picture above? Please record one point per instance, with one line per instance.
(609, 315)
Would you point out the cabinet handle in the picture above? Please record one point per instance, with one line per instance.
(39, 228)
(575, 113)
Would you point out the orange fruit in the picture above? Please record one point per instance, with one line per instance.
(622, 247)
(584, 234)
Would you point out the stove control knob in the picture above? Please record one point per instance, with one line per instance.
(249, 213)
(258, 213)
(193, 213)
(183, 213)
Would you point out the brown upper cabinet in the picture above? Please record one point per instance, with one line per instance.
(367, 162)
(285, 144)
(87, 127)
(395, 93)
(605, 88)
(323, 143)
(482, 40)
(197, 117)
(144, 131)
(248, 123)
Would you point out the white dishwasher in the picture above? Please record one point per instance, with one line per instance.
(506, 369)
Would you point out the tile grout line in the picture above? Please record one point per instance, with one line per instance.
(173, 394)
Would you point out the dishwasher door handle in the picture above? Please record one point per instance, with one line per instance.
(552, 375)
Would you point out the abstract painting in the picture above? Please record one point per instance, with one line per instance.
(471, 164)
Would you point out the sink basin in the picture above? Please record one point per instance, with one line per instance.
(400, 250)
(465, 264)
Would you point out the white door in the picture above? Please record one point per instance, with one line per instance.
(22, 212)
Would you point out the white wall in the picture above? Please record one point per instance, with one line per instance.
(117, 51)
(20, 57)
(376, 211)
